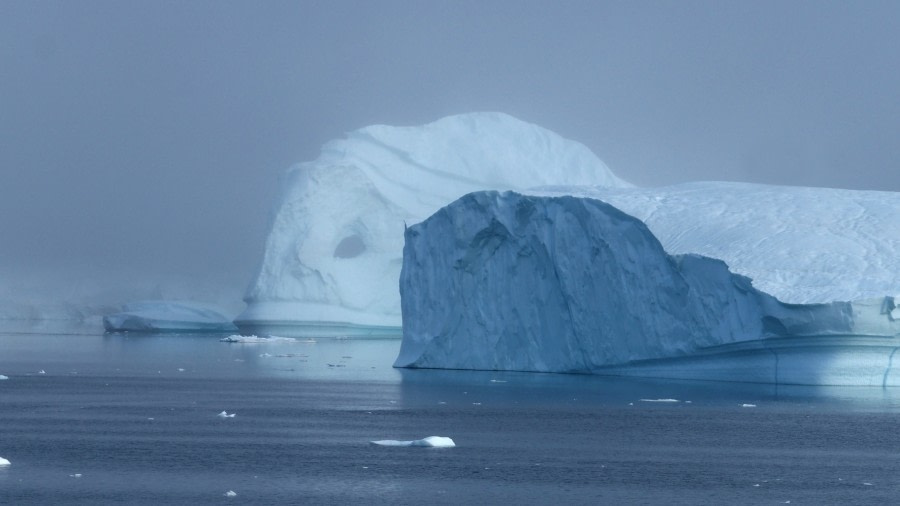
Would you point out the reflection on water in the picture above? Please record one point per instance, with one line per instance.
(204, 356)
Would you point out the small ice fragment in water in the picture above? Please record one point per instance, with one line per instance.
(660, 400)
(76, 475)
(441, 402)
(498, 381)
(748, 405)
(756, 485)
(687, 402)
(2, 377)
(431, 442)
(4, 462)
(225, 415)
(230, 493)
(867, 484)
(42, 372)
(476, 404)
(181, 369)
(631, 404)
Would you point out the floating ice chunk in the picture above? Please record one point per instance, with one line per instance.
(4, 462)
(223, 414)
(660, 400)
(431, 442)
(76, 475)
(748, 405)
(2, 377)
(42, 372)
(256, 339)
(231, 493)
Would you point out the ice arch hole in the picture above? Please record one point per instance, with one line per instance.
(349, 247)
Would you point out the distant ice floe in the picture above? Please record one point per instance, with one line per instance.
(4, 462)
(256, 339)
(231, 493)
(660, 400)
(748, 405)
(430, 442)
(223, 414)
(168, 316)
(2, 377)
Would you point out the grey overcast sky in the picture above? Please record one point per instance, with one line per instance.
(149, 136)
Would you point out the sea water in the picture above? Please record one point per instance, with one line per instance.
(133, 419)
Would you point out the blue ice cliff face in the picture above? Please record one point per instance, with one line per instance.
(503, 281)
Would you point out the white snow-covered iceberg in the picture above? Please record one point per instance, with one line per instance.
(503, 281)
(333, 256)
(167, 316)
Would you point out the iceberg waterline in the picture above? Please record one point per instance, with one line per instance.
(503, 281)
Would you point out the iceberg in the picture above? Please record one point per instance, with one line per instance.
(505, 281)
(333, 255)
(4, 462)
(167, 316)
(332, 259)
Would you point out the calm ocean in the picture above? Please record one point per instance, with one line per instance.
(124, 419)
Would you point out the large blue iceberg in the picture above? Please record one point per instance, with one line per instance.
(504, 281)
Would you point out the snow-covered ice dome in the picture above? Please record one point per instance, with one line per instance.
(168, 316)
(504, 281)
(333, 255)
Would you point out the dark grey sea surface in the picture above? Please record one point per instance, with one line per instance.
(129, 419)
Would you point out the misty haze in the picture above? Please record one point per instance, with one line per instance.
(319, 252)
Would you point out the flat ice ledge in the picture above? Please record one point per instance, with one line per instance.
(283, 318)
(849, 360)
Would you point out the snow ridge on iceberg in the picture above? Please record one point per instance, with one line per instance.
(802, 245)
(333, 255)
(502, 281)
